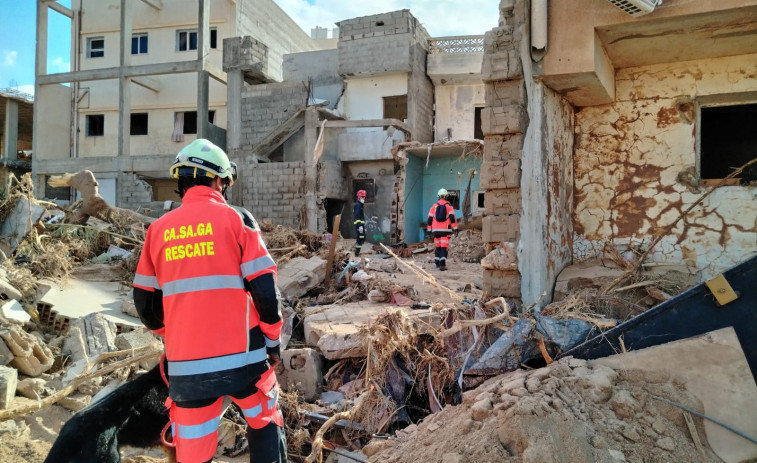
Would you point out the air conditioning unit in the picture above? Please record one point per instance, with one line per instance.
(636, 7)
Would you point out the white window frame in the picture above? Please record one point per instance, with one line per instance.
(90, 49)
(189, 33)
(139, 48)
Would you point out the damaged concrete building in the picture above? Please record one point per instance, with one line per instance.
(600, 128)
(145, 80)
(370, 108)
(16, 124)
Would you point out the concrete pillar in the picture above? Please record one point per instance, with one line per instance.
(311, 169)
(124, 83)
(203, 81)
(234, 85)
(10, 131)
(40, 69)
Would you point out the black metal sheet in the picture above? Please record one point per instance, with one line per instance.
(690, 313)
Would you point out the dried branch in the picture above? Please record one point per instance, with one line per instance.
(316, 452)
(424, 275)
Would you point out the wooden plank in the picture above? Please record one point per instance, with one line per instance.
(332, 248)
(279, 135)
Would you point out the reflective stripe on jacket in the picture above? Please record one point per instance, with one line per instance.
(434, 226)
(198, 256)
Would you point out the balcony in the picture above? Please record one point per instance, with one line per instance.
(455, 60)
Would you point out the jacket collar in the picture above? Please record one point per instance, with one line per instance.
(202, 193)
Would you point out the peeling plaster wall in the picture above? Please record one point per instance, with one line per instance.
(628, 159)
(546, 186)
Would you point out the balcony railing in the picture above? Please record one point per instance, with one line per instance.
(457, 44)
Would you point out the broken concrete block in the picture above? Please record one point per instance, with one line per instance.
(128, 307)
(335, 346)
(30, 355)
(496, 228)
(503, 147)
(75, 402)
(498, 202)
(503, 257)
(504, 120)
(502, 283)
(500, 175)
(31, 388)
(505, 92)
(300, 275)
(302, 371)
(139, 338)
(20, 221)
(8, 383)
(96, 334)
(592, 275)
(12, 310)
(5, 353)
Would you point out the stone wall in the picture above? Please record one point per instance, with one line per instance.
(132, 192)
(504, 120)
(274, 191)
(265, 107)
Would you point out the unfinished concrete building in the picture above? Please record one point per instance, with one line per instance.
(16, 121)
(369, 108)
(145, 80)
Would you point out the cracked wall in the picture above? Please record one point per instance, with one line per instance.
(635, 168)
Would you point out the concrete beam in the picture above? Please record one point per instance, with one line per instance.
(176, 67)
(124, 82)
(157, 4)
(105, 164)
(203, 82)
(215, 72)
(396, 123)
(147, 82)
(67, 12)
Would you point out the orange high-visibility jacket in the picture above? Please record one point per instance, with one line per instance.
(196, 285)
(446, 227)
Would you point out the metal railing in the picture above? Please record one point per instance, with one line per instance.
(457, 44)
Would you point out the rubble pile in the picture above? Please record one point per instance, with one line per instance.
(383, 357)
(570, 410)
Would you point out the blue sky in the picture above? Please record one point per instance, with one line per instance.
(18, 35)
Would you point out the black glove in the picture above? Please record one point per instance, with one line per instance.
(456, 231)
(274, 355)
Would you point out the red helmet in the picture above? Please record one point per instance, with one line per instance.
(361, 194)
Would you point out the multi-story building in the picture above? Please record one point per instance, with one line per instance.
(145, 80)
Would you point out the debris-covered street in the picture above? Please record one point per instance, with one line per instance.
(450, 232)
(385, 359)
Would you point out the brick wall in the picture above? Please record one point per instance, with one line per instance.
(420, 97)
(265, 107)
(274, 191)
(132, 192)
(377, 44)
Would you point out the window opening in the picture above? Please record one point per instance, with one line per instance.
(95, 125)
(395, 107)
(95, 47)
(728, 139)
(453, 196)
(139, 44)
(478, 132)
(190, 121)
(187, 40)
(138, 124)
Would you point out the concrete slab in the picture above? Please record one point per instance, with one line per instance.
(77, 298)
(714, 369)
(334, 329)
(20, 221)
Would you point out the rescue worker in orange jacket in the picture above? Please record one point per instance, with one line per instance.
(206, 283)
(441, 224)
